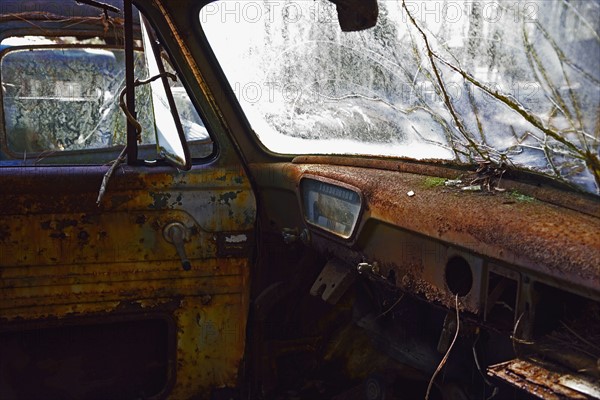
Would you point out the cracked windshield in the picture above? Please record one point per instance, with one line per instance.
(516, 83)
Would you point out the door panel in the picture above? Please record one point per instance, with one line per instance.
(68, 265)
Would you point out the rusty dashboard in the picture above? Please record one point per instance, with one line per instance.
(526, 268)
(417, 234)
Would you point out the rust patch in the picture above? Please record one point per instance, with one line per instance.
(534, 379)
(543, 189)
(115, 259)
(58, 224)
(160, 200)
(228, 197)
(537, 236)
(432, 293)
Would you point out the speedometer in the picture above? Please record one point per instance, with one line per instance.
(331, 206)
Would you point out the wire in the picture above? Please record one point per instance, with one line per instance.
(445, 358)
(495, 389)
(392, 307)
(514, 337)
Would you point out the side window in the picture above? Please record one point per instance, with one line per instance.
(60, 102)
(195, 131)
(58, 99)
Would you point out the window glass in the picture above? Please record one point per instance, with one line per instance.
(510, 82)
(60, 100)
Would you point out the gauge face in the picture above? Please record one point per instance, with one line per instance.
(330, 206)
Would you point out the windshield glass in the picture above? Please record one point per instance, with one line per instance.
(516, 83)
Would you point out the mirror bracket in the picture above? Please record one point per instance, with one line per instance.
(356, 15)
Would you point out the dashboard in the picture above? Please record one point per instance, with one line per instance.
(439, 242)
(514, 266)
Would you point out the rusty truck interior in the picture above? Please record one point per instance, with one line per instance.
(299, 199)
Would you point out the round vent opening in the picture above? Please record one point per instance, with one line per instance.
(459, 277)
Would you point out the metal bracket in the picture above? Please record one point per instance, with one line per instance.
(333, 281)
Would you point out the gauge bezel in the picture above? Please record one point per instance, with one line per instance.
(302, 195)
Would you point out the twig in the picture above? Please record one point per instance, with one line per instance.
(123, 105)
(534, 60)
(563, 59)
(109, 173)
(475, 109)
(582, 18)
(515, 105)
(547, 150)
(447, 101)
(135, 123)
(130, 118)
(433, 142)
(417, 93)
(578, 336)
(443, 362)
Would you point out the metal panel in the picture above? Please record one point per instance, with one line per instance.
(62, 258)
(537, 380)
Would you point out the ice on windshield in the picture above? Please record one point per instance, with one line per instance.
(516, 83)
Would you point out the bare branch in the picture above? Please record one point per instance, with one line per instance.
(109, 173)
(446, 97)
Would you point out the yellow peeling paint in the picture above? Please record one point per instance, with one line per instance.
(115, 262)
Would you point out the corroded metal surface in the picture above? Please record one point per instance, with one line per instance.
(208, 195)
(545, 239)
(534, 379)
(541, 189)
(63, 258)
